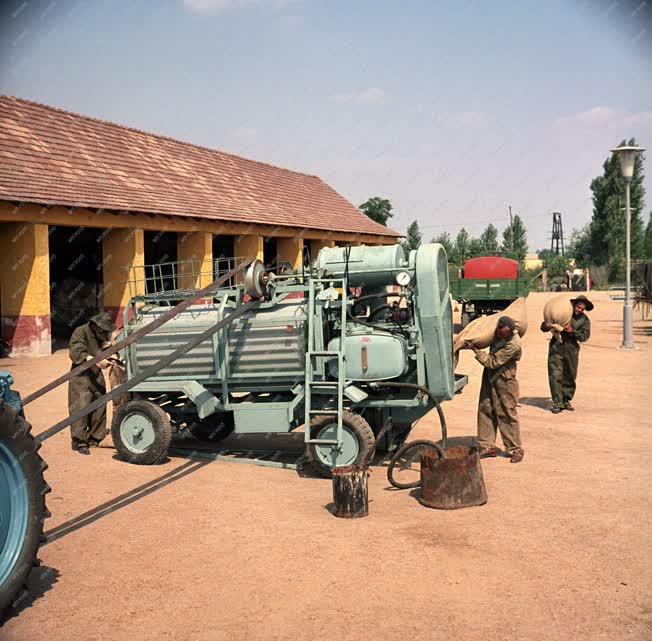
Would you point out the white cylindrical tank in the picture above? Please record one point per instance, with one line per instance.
(367, 266)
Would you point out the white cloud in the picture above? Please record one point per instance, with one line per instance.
(216, 6)
(604, 116)
(639, 118)
(369, 96)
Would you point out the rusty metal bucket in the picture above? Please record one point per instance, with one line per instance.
(453, 482)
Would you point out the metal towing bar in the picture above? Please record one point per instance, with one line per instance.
(153, 369)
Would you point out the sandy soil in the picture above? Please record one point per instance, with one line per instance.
(201, 551)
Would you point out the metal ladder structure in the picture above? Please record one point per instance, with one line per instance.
(312, 354)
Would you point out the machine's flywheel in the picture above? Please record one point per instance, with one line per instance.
(255, 279)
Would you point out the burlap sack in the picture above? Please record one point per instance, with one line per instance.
(117, 376)
(558, 312)
(481, 331)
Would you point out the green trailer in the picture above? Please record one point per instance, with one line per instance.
(487, 284)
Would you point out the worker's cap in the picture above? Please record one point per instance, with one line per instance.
(103, 321)
(506, 321)
(583, 299)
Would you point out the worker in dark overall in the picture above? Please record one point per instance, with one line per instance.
(86, 342)
(499, 392)
(563, 354)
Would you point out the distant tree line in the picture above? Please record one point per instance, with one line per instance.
(464, 246)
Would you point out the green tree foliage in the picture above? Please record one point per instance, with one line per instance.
(515, 238)
(607, 227)
(556, 265)
(378, 209)
(476, 247)
(489, 239)
(445, 241)
(412, 237)
(461, 249)
(647, 242)
(579, 246)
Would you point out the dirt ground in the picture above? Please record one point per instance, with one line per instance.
(202, 551)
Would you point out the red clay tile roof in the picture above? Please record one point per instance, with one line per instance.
(51, 156)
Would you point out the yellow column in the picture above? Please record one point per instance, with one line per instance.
(290, 250)
(246, 247)
(316, 245)
(122, 248)
(195, 257)
(25, 288)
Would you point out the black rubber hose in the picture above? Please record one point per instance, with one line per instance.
(379, 309)
(358, 321)
(402, 451)
(429, 394)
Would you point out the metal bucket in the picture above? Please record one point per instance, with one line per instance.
(453, 482)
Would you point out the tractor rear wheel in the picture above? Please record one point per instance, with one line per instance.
(141, 432)
(357, 442)
(22, 504)
(213, 428)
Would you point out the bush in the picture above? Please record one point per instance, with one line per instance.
(599, 275)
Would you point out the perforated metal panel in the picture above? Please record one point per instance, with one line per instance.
(197, 364)
(269, 344)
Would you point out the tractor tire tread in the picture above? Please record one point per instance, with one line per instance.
(15, 430)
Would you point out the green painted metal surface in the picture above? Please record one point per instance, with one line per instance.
(375, 356)
(468, 289)
(259, 418)
(305, 352)
(137, 432)
(363, 266)
(345, 454)
(435, 318)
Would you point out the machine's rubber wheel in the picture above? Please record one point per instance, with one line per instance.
(141, 432)
(406, 462)
(358, 440)
(213, 428)
(22, 504)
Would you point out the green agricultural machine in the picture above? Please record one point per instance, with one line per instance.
(354, 348)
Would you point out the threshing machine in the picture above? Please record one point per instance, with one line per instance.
(355, 348)
(309, 353)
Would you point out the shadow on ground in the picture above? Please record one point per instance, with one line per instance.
(40, 580)
(123, 500)
(542, 402)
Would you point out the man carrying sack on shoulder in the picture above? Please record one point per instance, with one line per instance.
(499, 392)
(564, 352)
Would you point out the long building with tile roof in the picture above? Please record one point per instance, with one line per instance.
(83, 199)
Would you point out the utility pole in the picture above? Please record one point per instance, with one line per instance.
(511, 229)
(557, 236)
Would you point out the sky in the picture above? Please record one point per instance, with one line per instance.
(452, 110)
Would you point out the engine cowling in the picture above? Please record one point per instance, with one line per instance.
(371, 356)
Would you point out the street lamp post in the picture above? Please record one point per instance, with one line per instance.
(627, 156)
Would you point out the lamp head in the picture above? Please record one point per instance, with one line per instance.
(626, 156)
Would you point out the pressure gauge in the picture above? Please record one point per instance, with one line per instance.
(403, 278)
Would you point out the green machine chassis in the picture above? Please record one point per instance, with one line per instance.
(319, 395)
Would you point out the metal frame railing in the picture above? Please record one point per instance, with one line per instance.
(177, 279)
